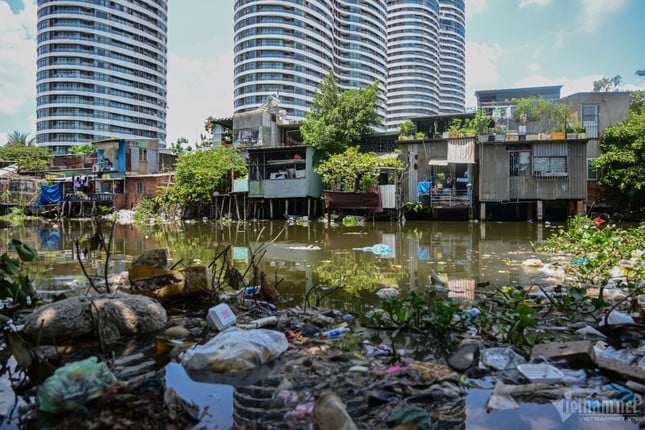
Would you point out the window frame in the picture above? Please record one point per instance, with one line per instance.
(549, 172)
(515, 169)
(597, 172)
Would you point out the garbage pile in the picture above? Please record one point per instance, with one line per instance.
(330, 377)
(305, 368)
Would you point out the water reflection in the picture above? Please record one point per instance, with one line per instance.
(458, 254)
(542, 416)
(215, 401)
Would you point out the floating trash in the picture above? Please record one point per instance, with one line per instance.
(378, 249)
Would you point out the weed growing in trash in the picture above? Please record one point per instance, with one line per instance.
(429, 311)
(514, 316)
(573, 302)
(597, 250)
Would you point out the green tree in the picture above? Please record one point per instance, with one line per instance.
(623, 160)
(339, 119)
(640, 72)
(533, 109)
(201, 173)
(85, 148)
(16, 137)
(22, 151)
(637, 101)
(204, 141)
(605, 84)
(353, 170)
(407, 129)
(178, 146)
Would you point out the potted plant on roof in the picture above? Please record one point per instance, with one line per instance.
(558, 132)
(500, 133)
(535, 109)
(406, 130)
(455, 128)
(581, 130)
(480, 123)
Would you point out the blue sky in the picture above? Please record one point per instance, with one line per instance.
(510, 43)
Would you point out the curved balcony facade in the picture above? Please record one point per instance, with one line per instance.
(286, 47)
(101, 71)
(452, 43)
(413, 60)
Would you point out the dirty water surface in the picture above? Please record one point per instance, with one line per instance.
(305, 261)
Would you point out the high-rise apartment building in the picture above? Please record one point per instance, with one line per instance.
(452, 48)
(414, 48)
(101, 71)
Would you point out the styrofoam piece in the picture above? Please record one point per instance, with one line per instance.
(541, 373)
(221, 317)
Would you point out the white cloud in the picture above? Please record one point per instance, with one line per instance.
(625, 87)
(558, 35)
(482, 67)
(473, 7)
(593, 12)
(17, 57)
(524, 3)
(196, 89)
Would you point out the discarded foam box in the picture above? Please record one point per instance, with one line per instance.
(541, 373)
(221, 317)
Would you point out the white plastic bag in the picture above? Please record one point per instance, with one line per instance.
(235, 350)
(501, 358)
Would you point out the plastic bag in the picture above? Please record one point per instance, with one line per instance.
(73, 385)
(234, 350)
(501, 358)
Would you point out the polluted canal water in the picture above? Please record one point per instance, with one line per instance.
(380, 375)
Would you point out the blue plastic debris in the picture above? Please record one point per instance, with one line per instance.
(378, 249)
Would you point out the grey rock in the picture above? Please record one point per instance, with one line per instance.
(110, 316)
(464, 357)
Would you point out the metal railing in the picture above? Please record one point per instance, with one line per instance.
(98, 197)
(450, 198)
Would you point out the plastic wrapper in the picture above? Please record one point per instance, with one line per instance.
(236, 350)
(73, 385)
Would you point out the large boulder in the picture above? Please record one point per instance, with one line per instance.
(110, 316)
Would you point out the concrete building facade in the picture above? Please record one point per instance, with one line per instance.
(414, 49)
(101, 71)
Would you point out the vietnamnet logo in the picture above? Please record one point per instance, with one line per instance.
(598, 408)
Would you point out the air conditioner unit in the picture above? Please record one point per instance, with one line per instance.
(95, 168)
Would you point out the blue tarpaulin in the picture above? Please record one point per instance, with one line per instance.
(50, 194)
(423, 188)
